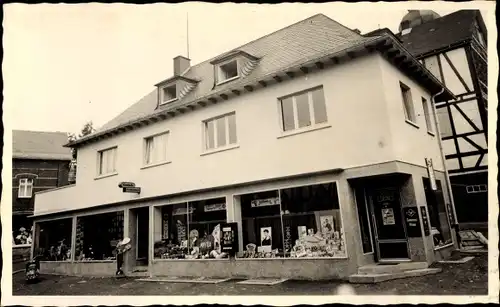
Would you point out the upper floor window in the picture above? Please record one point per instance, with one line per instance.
(427, 114)
(227, 71)
(25, 188)
(168, 94)
(304, 109)
(155, 150)
(107, 161)
(408, 103)
(220, 131)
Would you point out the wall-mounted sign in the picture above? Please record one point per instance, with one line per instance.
(432, 174)
(126, 184)
(182, 211)
(132, 190)
(265, 202)
(450, 214)
(215, 207)
(412, 222)
(425, 220)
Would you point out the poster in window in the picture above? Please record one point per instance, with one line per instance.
(288, 237)
(302, 231)
(265, 239)
(388, 216)
(327, 225)
(229, 238)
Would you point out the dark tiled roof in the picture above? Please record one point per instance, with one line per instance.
(278, 50)
(439, 33)
(40, 145)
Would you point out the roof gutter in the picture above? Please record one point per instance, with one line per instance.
(385, 44)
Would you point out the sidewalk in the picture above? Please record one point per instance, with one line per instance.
(470, 278)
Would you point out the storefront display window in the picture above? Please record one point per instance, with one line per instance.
(97, 236)
(54, 240)
(440, 228)
(192, 230)
(296, 222)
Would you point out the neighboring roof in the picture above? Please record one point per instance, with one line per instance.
(40, 145)
(440, 33)
(310, 44)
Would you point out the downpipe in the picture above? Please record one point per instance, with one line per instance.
(443, 160)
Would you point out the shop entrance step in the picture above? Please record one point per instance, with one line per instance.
(263, 281)
(392, 268)
(376, 278)
(176, 279)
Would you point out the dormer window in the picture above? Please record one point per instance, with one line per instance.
(169, 94)
(228, 71)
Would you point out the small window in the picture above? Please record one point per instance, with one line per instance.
(156, 149)
(169, 93)
(408, 103)
(25, 188)
(220, 131)
(228, 71)
(427, 114)
(303, 110)
(107, 161)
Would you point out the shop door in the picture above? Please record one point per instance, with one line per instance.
(142, 235)
(390, 233)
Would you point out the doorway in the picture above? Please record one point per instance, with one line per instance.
(142, 236)
(391, 240)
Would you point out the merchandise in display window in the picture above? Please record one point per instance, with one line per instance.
(192, 230)
(97, 236)
(295, 222)
(54, 242)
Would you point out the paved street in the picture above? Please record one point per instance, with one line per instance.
(456, 279)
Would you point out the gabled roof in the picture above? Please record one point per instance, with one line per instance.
(40, 145)
(440, 33)
(308, 45)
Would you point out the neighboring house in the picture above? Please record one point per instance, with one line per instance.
(313, 141)
(39, 162)
(454, 49)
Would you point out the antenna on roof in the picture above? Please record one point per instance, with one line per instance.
(187, 33)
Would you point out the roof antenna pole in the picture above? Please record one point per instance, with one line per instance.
(187, 33)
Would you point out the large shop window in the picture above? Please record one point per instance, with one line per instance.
(440, 227)
(296, 222)
(97, 236)
(192, 230)
(54, 240)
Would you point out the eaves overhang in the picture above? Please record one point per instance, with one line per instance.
(389, 47)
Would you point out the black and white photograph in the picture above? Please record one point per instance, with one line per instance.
(298, 153)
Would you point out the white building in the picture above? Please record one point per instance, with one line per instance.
(313, 133)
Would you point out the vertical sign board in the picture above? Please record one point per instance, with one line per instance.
(450, 214)
(425, 221)
(412, 222)
(432, 175)
(229, 238)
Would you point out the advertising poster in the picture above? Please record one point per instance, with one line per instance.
(388, 216)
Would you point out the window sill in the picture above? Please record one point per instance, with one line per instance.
(94, 261)
(155, 164)
(24, 197)
(168, 101)
(228, 80)
(188, 260)
(303, 130)
(294, 258)
(409, 122)
(431, 133)
(212, 151)
(106, 176)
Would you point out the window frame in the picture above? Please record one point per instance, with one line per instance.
(205, 132)
(312, 116)
(428, 118)
(162, 94)
(145, 149)
(24, 184)
(407, 101)
(99, 162)
(220, 72)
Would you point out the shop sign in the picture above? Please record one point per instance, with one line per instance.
(229, 238)
(450, 213)
(432, 175)
(126, 184)
(288, 238)
(182, 211)
(132, 190)
(425, 220)
(265, 202)
(412, 222)
(215, 207)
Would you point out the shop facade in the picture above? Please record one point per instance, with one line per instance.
(315, 226)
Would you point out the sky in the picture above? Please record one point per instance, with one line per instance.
(65, 65)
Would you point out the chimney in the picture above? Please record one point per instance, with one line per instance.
(357, 31)
(180, 65)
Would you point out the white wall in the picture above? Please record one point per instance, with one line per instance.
(412, 144)
(359, 135)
